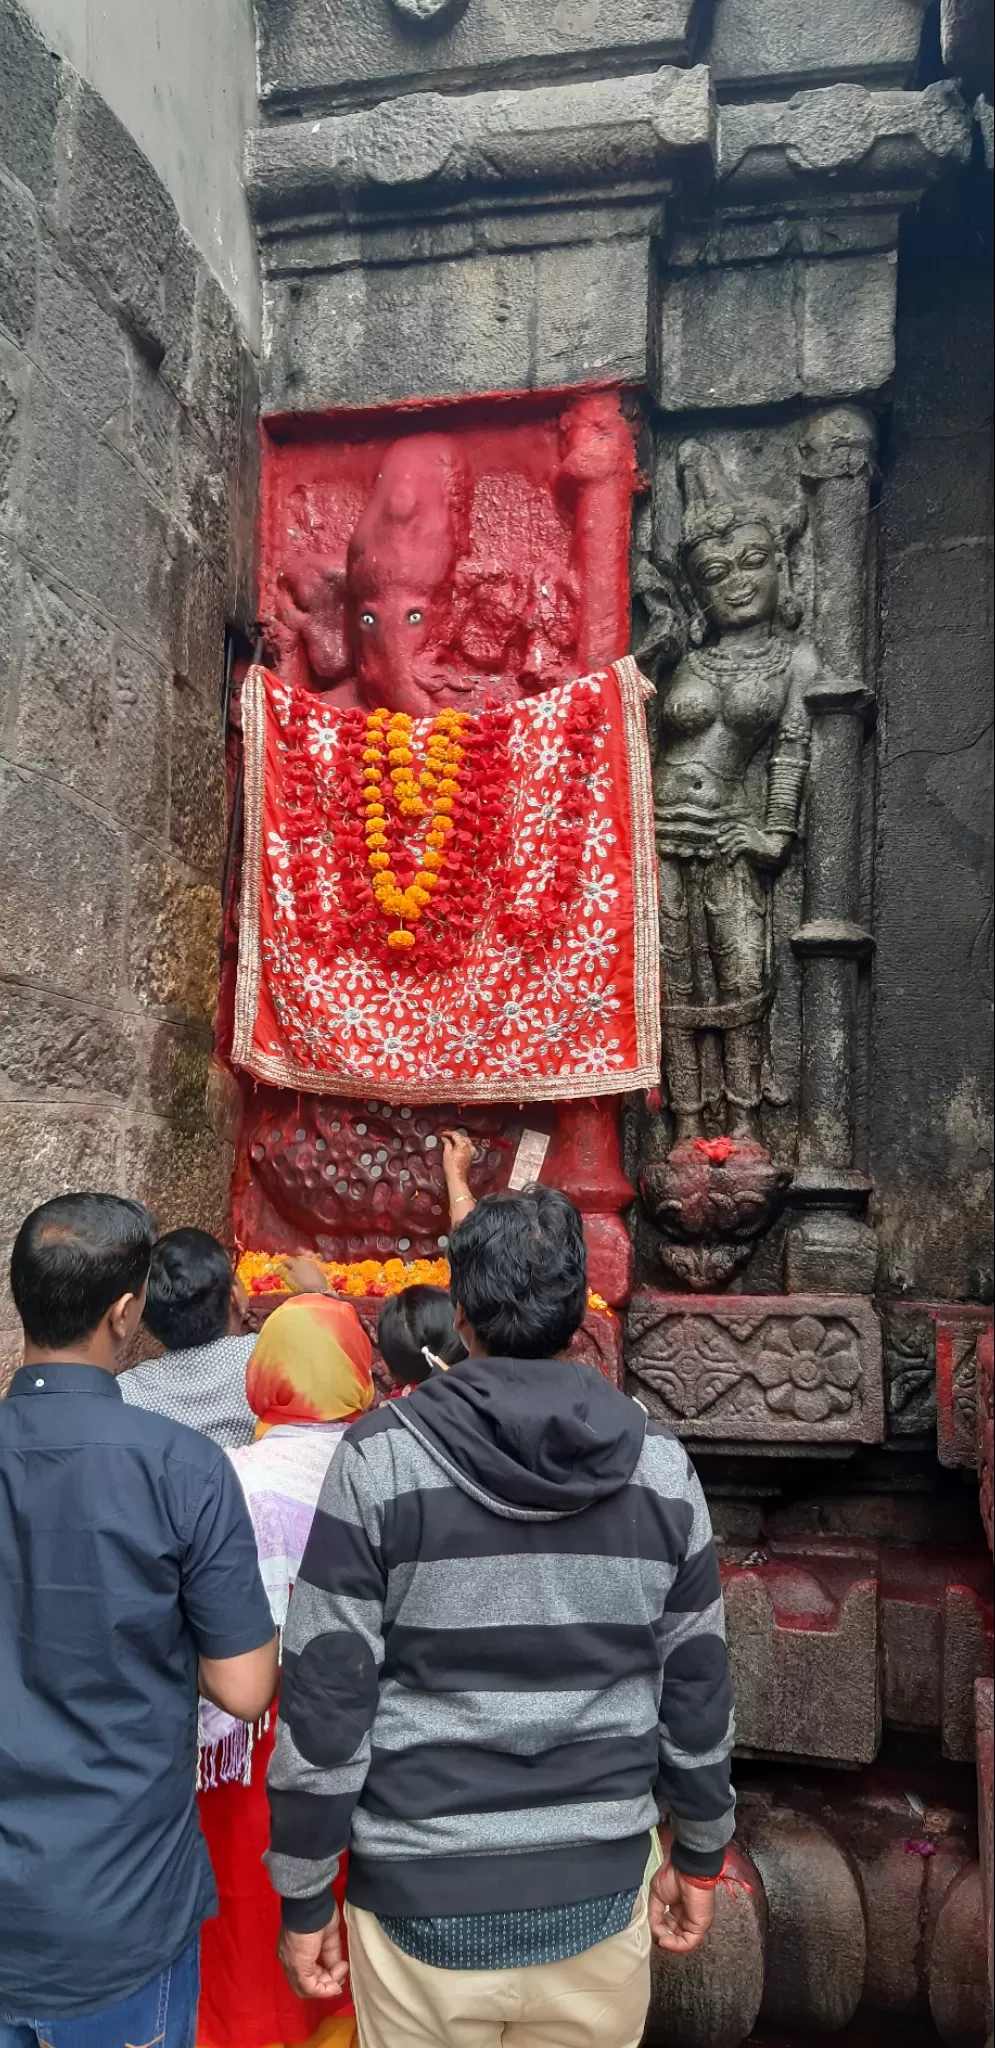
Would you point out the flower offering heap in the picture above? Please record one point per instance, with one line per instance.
(363, 1279)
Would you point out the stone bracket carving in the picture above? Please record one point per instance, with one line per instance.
(430, 14)
(843, 133)
(910, 1368)
(758, 1368)
(958, 1333)
(493, 142)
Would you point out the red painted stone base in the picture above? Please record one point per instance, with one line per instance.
(986, 1432)
(984, 1715)
(830, 1639)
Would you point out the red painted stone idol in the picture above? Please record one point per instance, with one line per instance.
(449, 897)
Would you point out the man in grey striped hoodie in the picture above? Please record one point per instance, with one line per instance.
(504, 1651)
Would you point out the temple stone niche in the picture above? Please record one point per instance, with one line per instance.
(480, 557)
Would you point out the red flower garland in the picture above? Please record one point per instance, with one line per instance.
(325, 817)
(539, 920)
(325, 813)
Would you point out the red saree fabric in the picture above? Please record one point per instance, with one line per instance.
(245, 2000)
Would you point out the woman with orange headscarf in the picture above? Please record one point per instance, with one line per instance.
(309, 1376)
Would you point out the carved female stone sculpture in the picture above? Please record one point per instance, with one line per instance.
(736, 704)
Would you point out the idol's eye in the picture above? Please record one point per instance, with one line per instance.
(367, 619)
(754, 558)
(414, 618)
(714, 572)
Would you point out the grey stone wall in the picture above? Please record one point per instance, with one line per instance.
(181, 76)
(127, 487)
(931, 1101)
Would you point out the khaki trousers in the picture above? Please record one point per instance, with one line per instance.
(595, 2000)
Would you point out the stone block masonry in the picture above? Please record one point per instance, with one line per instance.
(127, 488)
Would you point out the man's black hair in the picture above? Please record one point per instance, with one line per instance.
(72, 1259)
(518, 1270)
(190, 1281)
(417, 1316)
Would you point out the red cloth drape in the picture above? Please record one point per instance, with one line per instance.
(569, 1012)
(245, 2000)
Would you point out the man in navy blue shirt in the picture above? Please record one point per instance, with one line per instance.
(128, 1576)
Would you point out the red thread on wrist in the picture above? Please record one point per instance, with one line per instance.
(726, 1878)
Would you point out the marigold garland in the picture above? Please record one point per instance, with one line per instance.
(356, 817)
(263, 1273)
(389, 736)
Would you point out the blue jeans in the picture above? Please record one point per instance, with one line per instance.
(163, 2014)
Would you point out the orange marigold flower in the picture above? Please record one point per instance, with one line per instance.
(444, 805)
(379, 860)
(400, 941)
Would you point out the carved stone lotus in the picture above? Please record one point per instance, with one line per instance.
(808, 1369)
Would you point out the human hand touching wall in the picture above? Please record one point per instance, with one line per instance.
(457, 1159)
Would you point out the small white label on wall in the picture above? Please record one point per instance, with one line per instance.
(532, 1149)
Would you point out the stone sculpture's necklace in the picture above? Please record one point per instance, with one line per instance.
(764, 657)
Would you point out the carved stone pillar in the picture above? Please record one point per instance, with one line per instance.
(830, 1246)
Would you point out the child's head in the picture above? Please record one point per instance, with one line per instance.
(416, 1321)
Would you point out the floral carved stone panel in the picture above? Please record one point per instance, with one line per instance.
(758, 1368)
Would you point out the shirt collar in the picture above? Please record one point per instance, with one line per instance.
(61, 1378)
